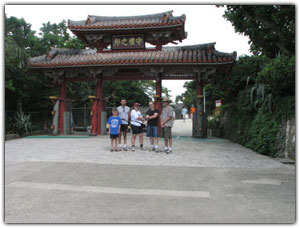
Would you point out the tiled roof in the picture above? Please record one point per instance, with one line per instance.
(194, 54)
(165, 19)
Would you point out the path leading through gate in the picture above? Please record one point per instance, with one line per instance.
(204, 181)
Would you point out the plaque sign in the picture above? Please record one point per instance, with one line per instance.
(121, 42)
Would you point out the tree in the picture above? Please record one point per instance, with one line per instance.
(189, 96)
(19, 46)
(271, 28)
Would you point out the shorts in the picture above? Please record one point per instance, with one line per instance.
(124, 127)
(136, 129)
(152, 131)
(167, 133)
(114, 136)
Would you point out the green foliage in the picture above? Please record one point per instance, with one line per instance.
(234, 88)
(279, 75)
(213, 123)
(22, 123)
(19, 42)
(263, 133)
(132, 91)
(257, 88)
(271, 28)
(54, 35)
(275, 85)
(188, 97)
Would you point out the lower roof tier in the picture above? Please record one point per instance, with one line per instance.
(186, 55)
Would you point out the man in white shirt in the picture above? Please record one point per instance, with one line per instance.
(136, 126)
(167, 124)
(123, 113)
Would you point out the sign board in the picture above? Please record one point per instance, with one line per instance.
(121, 42)
(218, 103)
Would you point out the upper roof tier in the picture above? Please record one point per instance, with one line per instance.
(150, 21)
(158, 29)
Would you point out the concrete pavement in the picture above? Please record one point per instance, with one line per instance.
(77, 180)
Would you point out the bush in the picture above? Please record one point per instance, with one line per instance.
(213, 123)
(263, 133)
(22, 123)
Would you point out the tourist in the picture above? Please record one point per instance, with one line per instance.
(167, 124)
(114, 126)
(123, 112)
(183, 113)
(136, 126)
(192, 110)
(152, 126)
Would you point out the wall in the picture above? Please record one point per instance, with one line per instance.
(287, 139)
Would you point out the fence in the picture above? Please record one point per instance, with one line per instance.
(80, 116)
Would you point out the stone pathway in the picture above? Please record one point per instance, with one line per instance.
(203, 181)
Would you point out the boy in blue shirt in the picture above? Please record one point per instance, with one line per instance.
(114, 126)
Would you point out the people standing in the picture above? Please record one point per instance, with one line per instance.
(114, 126)
(124, 114)
(167, 124)
(152, 115)
(183, 113)
(192, 110)
(136, 126)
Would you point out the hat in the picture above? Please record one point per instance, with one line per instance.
(136, 104)
(166, 99)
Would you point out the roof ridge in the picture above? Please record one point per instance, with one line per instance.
(169, 13)
(161, 17)
(192, 46)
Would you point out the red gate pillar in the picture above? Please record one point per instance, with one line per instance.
(99, 104)
(62, 106)
(157, 102)
(199, 117)
(199, 89)
(97, 108)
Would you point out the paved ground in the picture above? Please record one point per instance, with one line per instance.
(77, 180)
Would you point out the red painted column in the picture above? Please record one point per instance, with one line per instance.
(62, 106)
(158, 104)
(200, 122)
(199, 88)
(94, 117)
(99, 105)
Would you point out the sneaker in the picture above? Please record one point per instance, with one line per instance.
(133, 149)
(119, 148)
(124, 148)
(156, 150)
(166, 150)
(169, 152)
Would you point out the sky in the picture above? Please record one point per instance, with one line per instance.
(204, 24)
